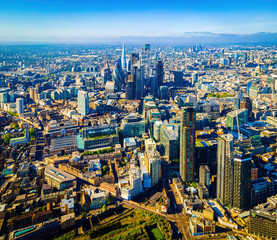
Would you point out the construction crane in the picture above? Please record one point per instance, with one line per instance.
(240, 138)
(270, 101)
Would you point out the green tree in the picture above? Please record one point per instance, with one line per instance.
(105, 169)
(194, 184)
(32, 132)
(104, 208)
(12, 113)
(7, 138)
(14, 125)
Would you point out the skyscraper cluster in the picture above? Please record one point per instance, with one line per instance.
(233, 174)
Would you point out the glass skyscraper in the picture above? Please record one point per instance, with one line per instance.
(83, 103)
(187, 144)
(225, 162)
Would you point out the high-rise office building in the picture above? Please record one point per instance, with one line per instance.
(163, 92)
(204, 175)
(178, 78)
(244, 57)
(225, 161)
(238, 100)
(90, 84)
(147, 47)
(123, 58)
(19, 105)
(263, 224)
(194, 78)
(187, 144)
(129, 65)
(236, 117)
(251, 56)
(246, 103)
(118, 75)
(242, 181)
(130, 88)
(145, 59)
(106, 74)
(83, 103)
(134, 58)
(160, 72)
(153, 165)
(138, 78)
(110, 87)
(153, 86)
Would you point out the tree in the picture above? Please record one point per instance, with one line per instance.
(32, 132)
(12, 113)
(7, 138)
(105, 169)
(104, 208)
(194, 184)
(14, 125)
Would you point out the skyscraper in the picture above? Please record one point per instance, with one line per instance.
(187, 144)
(123, 57)
(225, 161)
(153, 86)
(194, 78)
(138, 78)
(242, 180)
(90, 84)
(163, 92)
(134, 58)
(106, 74)
(130, 88)
(145, 59)
(160, 72)
(204, 175)
(118, 75)
(244, 57)
(238, 100)
(19, 105)
(147, 47)
(178, 78)
(246, 103)
(83, 103)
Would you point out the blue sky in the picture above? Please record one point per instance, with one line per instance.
(83, 19)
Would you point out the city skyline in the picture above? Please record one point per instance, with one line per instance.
(61, 20)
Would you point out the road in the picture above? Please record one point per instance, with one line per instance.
(176, 214)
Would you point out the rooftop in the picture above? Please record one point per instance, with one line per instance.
(58, 174)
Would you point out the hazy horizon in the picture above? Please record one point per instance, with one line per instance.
(60, 20)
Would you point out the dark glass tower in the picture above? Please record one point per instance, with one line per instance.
(225, 161)
(160, 72)
(242, 181)
(247, 104)
(137, 74)
(187, 144)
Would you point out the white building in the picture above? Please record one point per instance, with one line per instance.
(135, 181)
(83, 103)
(153, 164)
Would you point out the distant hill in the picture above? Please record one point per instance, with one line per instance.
(187, 38)
(203, 38)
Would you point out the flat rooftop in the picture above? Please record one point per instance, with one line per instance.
(58, 174)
